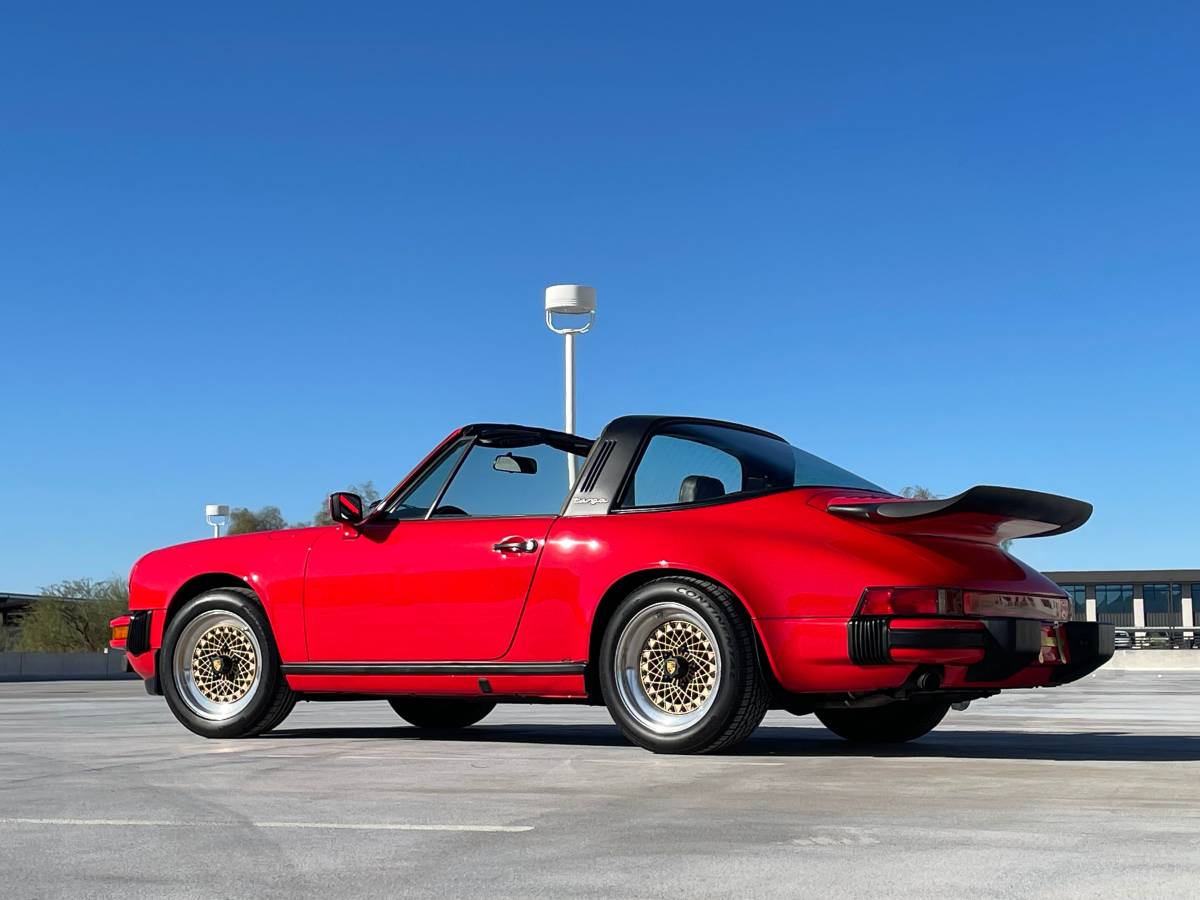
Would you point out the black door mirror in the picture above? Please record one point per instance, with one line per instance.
(346, 507)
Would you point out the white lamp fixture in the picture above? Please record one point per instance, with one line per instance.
(571, 300)
(570, 310)
(216, 515)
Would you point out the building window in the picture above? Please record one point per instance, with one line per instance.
(1114, 603)
(1163, 604)
(1195, 603)
(1078, 604)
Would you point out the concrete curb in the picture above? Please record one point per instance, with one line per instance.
(1155, 660)
(101, 665)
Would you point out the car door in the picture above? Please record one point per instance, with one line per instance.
(443, 574)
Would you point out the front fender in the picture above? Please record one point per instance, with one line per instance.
(271, 564)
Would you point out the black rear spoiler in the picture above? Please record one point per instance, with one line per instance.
(982, 512)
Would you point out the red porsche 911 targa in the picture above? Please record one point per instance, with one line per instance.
(692, 576)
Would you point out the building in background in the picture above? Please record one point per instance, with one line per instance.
(1138, 598)
(13, 606)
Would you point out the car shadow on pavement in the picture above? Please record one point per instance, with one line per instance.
(807, 741)
(959, 743)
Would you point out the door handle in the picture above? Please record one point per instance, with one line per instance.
(515, 545)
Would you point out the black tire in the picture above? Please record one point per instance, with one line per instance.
(270, 699)
(739, 693)
(441, 714)
(905, 720)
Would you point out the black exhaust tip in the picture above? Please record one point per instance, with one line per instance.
(929, 680)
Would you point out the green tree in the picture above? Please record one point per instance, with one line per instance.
(10, 637)
(270, 518)
(366, 490)
(244, 521)
(73, 615)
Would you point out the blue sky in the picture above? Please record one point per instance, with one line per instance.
(252, 254)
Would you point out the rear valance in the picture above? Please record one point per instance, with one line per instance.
(982, 513)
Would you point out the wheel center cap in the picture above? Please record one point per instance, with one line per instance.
(675, 668)
(221, 665)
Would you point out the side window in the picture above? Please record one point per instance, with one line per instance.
(415, 504)
(507, 481)
(677, 470)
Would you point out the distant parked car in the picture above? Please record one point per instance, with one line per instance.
(693, 575)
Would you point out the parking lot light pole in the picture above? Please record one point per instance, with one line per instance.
(216, 515)
(570, 310)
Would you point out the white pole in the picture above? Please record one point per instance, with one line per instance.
(569, 398)
(218, 512)
(575, 302)
(569, 383)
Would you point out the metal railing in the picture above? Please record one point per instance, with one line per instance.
(1158, 637)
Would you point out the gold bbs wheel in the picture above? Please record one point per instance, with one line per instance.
(678, 666)
(217, 664)
(224, 663)
(668, 667)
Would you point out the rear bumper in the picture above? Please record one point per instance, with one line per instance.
(867, 654)
(989, 650)
(1089, 646)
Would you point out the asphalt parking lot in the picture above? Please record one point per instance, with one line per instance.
(1091, 789)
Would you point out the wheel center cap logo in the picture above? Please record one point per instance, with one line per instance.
(217, 664)
(672, 666)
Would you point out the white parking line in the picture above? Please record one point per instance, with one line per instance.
(138, 823)
(394, 826)
(344, 826)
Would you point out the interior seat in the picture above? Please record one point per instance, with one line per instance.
(696, 488)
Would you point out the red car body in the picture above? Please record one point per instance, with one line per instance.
(851, 591)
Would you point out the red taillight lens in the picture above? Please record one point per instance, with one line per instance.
(1028, 606)
(926, 601)
(912, 602)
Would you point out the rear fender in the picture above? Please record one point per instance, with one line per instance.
(630, 582)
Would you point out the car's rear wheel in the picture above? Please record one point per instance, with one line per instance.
(221, 675)
(679, 668)
(440, 714)
(905, 720)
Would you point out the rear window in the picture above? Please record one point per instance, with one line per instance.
(694, 463)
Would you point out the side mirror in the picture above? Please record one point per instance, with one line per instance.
(346, 507)
(515, 465)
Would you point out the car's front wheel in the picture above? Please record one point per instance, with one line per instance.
(219, 668)
(439, 714)
(905, 720)
(679, 668)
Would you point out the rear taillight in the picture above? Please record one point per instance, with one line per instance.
(922, 601)
(927, 601)
(1025, 606)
